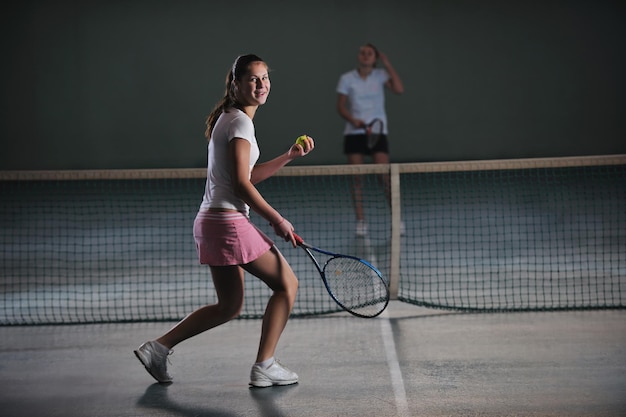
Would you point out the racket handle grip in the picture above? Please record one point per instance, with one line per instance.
(299, 240)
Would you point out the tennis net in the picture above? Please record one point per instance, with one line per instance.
(511, 235)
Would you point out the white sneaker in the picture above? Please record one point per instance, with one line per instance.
(361, 228)
(275, 374)
(154, 357)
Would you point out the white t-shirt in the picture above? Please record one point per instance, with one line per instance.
(366, 97)
(218, 190)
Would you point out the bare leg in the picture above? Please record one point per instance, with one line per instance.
(229, 286)
(383, 158)
(357, 196)
(274, 270)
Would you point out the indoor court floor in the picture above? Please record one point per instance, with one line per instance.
(412, 361)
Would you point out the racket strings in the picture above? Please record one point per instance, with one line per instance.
(356, 286)
(374, 131)
(377, 128)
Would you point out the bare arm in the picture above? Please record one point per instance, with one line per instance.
(243, 185)
(265, 170)
(394, 83)
(342, 109)
(239, 154)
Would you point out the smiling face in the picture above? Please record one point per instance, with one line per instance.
(254, 86)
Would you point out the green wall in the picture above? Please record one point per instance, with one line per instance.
(128, 84)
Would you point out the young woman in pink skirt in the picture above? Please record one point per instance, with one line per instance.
(226, 239)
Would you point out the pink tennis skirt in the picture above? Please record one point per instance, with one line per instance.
(228, 238)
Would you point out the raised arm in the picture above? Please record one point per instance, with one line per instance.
(265, 170)
(243, 184)
(394, 83)
(239, 154)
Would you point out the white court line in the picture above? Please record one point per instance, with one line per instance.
(394, 367)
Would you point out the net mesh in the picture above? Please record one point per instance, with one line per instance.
(116, 246)
(517, 239)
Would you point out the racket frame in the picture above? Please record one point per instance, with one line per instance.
(372, 140)
(321, 269)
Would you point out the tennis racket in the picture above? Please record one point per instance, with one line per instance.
(354, 284)
(373, 132)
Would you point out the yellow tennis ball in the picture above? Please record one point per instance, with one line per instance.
(300, 140)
